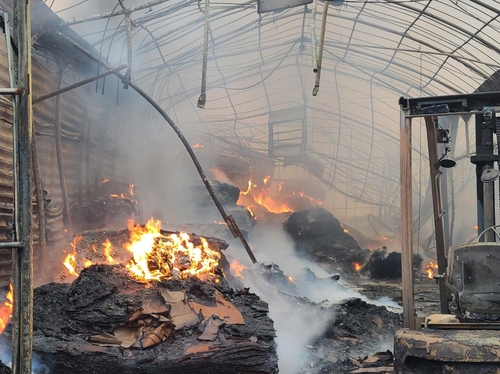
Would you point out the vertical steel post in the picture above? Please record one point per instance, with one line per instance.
(22, 333)
(437, 205)
(406, 222)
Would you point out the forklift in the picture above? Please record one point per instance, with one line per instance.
(466, 340)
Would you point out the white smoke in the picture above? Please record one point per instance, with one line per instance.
(6, 358)
(296, 323)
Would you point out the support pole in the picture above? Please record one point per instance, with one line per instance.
(321, 46)
(22, 329)
(203, 95)
(406, 223)
(312, 23)
(437, 204)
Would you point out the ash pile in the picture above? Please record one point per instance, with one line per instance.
(160, 309)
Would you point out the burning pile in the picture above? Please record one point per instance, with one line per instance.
(145, 300)
(149, 253)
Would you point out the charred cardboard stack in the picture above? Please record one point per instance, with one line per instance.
(106, 321)
(110, 206)
(319, 236)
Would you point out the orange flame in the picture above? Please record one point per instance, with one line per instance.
(237, 268)
(6, 309)
(290, 279)
(108, 247)
(157, 256)
(266, 179)
(197, 145)
(131, 189)
(105, 180)
(357, 266)
(431, 269)
(70, 260)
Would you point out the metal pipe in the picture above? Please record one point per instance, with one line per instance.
(313, 36)
(22, 331)
(203, 95)
(406, 223)
(60, 165)
(114, 14)
(321, 46)
(11, 91)
(40, 203)
(228, 219)
(128, 29)
(11, 245)
(78, 84)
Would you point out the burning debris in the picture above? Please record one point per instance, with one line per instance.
(146, 299)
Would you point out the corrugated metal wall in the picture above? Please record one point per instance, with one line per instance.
(87, 142)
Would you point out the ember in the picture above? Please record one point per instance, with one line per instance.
(6, 309)
(357, 266)
(431, 269)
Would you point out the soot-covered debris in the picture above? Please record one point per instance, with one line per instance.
(358, 333)
(388, 266)
(319, 236)
(108, 322)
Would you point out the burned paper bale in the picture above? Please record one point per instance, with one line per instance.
(388, 266)
(110, 211)
(320, 236)
(107, 321)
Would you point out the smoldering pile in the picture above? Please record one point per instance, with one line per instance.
(111, 320)
(319, 236)
(106, 321)
(344, 335)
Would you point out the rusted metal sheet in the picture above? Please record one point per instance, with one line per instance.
(447, 351)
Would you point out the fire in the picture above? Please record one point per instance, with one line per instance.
(6, 309)
(260, 196)
(70, 260)
(156, 256)
(290, 279)
(237, 268)
(346, 230)
(108, 247)
(131, 189)
(121, 196)
(105, 180)
(357, 266)
(197, 145)
(431, 269)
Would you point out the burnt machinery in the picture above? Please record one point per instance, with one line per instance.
(465, 341)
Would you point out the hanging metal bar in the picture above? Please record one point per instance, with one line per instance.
(321, 46)
(203, 96)
(11, 91)
(22, 330)
(313, 36)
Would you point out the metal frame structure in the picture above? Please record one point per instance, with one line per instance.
(429, 108)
